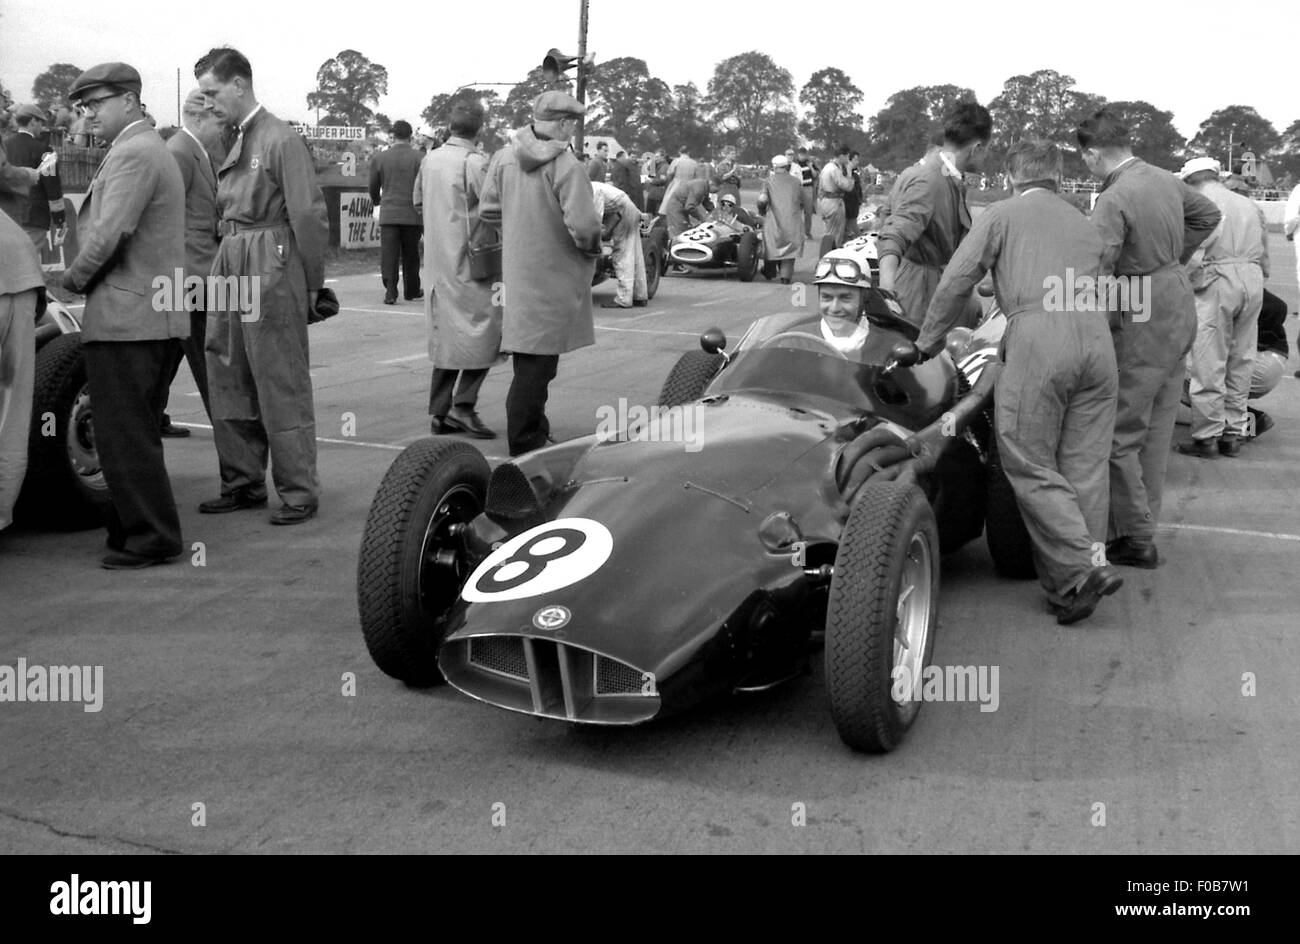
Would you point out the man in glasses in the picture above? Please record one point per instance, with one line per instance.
(929, 216)
(842, 279)
(730, 212)
(132, 228)
(1056, 394)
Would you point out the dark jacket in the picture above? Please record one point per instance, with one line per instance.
(31, 208)
(392, 174)
(200, 179)
(626, 176)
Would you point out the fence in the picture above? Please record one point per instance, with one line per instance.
(77, 165)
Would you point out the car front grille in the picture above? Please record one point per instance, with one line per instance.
(691, 253)
(501, 654)
(550, 679)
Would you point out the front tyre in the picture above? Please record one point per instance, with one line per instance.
(688, 378)
(747, 257)
(882, 615)
(412, 563)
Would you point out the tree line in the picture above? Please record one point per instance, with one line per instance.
(751, 104)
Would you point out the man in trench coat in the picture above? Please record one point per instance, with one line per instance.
(541, 196)
(464, 317)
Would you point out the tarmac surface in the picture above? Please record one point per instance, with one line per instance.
(224, 684)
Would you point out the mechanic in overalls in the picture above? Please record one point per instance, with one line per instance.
(620, 223)
(1150, 224)
(274, 235)
(1055, 396)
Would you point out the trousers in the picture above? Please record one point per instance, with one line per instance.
(400, 242)
(1055, 416)
(629, 262)
(526, 424)
(466, 392)
(128, 382)
(1223, 352)
(17, 375)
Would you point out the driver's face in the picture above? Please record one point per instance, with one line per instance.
(839, 301)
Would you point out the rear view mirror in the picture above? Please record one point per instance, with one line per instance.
(713, 341)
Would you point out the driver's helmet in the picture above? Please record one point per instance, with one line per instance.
(843, 267)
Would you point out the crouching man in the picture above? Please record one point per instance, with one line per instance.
(1056, 394)
(620, 223)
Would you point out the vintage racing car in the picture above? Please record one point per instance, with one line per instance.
(614, 579)
(64, 485)
(717, 244)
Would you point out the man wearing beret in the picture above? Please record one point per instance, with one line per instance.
(274, 236)
(35, 208)
(538, 192)
(132, 228)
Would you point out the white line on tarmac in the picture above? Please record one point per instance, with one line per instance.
(688, 334)
(391, 447)
(705, 304)
(1249, 534)
(403, 360)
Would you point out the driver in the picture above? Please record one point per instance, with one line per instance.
(842, 278)
(730, 212)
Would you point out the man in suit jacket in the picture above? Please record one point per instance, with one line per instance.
(392, 183)
(191, 146)
(132, 228)
(21, 286)
(42, 204)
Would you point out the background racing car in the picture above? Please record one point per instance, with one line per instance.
(721, 244)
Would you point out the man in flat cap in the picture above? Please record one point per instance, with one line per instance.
(132, 229)
(274, 236)
(781, 203)
(538, 192)
(41, 204)
(1227, 274)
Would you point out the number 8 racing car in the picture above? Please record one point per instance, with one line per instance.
(785, 497)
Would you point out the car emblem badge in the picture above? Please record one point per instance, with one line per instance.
(551, 617)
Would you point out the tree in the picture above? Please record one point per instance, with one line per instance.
(438, 114)
(626, 101)
(51, 87)
(1044, 104)
(518, 110)
(830, 97)
(682, 123)
(1151, 132)
(382, 123)
(347, 87)
(900, 132)
(1285, 160)
(1240, 125)
(745, 94)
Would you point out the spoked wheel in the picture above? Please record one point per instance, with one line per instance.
(413, 560)
(882, 615)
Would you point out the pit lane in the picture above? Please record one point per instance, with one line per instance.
(223, 683)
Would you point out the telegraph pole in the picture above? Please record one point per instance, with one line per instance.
(582, 74)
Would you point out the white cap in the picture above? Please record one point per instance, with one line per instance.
(780, 161)
(1196, 164)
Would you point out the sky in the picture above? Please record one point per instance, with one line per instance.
(1176, 56)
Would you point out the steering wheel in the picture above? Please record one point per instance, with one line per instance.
(807, 342)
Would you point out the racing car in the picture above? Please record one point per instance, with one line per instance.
(719, 244)
(64, 485)
(615, 579)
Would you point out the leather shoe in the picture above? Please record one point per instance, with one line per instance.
(467, 421)
(1102, 582)
(125, 560)
(390, 299)
(1133, 553)
(293, 514)
(613, 305)
(1229, 446)
(170, 430)
(415, 298)
(1263, 422)
(439, 427)
(640, 304)
(1201, 448)
(234, 501)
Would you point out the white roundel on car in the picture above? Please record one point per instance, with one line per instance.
(541, 560)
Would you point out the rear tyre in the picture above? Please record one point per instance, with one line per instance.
(1008, 539)
(64, 487)
(882, 615)
(688, 378)
(747, 260)
(412, 566)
